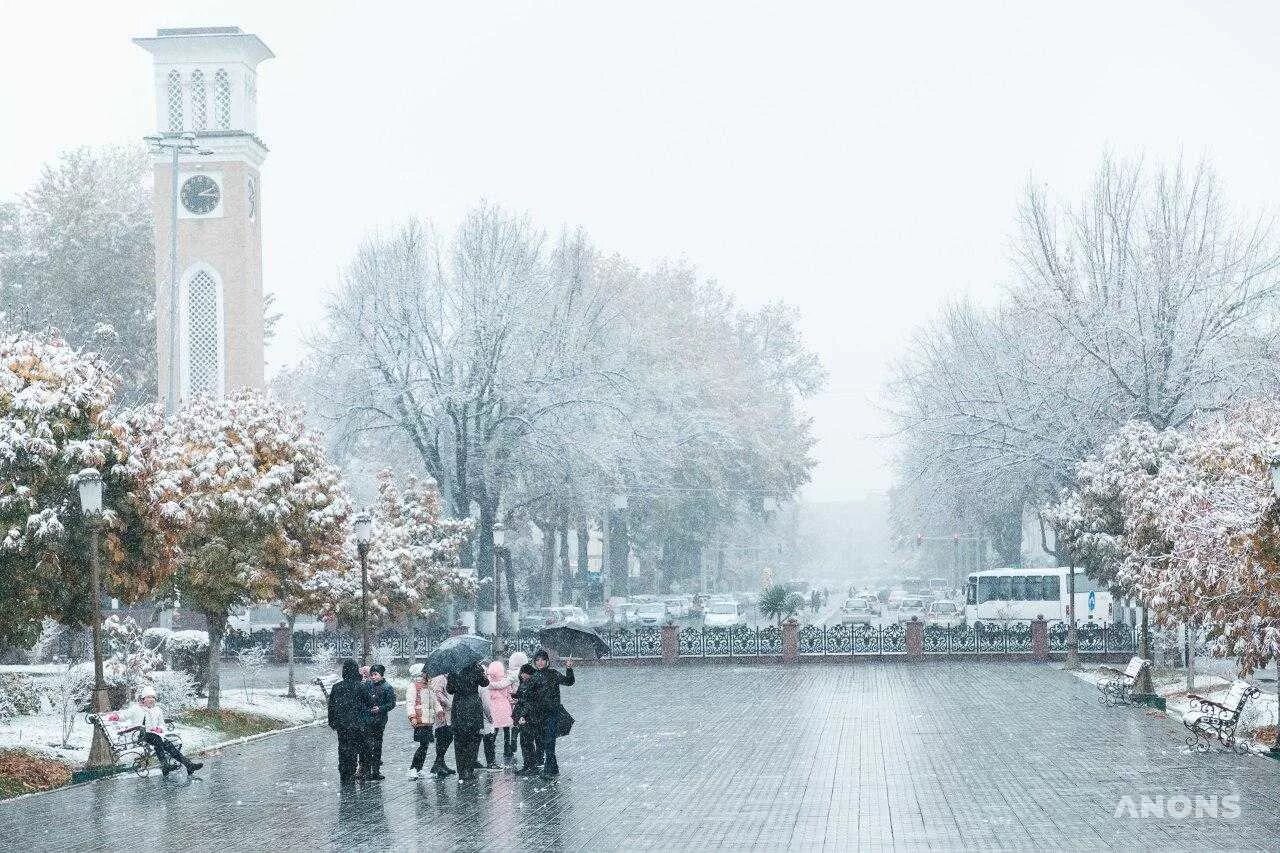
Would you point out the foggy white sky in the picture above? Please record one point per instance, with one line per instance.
(863, 163)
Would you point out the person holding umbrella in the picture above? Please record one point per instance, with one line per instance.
(547, 684)
(441, 727)
(468, 718)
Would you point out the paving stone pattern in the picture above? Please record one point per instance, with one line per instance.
(938, 755)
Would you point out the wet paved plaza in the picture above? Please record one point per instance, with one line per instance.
(945, 755)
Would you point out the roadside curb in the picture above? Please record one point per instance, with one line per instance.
(203, 751)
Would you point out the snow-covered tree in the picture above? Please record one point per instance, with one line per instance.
(413, 561)
(1149, 301)
(79, 259)
(53, 424)
(260, 508)
(1105, 523)
(1215, 505)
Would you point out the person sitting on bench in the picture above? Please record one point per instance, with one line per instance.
(149, 717)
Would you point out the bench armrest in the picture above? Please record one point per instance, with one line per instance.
(1204, 700)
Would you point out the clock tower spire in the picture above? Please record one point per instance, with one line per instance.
(209, 311)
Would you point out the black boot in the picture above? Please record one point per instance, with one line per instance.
(193, 766)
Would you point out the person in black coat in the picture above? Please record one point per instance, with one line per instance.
(467, 718)
(547, 684)
(347, 717)
(522, 712)
(379, 699)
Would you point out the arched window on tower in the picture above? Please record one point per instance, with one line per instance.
(199, 105)
(222, 99)
(202, 365)
(175, 102)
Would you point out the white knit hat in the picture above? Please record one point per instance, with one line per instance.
(147, 692)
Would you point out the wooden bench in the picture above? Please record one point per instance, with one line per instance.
(1210, 720)
(1118, 689)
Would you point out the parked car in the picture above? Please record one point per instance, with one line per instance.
(539, 618)
(947, 614)
(873, 602)
(721, 614)
(856, 611)
(651, 613)
(910, 606)
(268, 617)
(676, 606)
(573, 616)
(626, 613)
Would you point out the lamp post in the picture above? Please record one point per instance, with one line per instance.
(90, 484)
(176, 144)
(499, 539)
(363, 529)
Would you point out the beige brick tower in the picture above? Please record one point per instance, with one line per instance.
(206, 86)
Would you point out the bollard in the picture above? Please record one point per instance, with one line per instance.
(1039, 638)
(915, 638)
(670, 643)
(790, 641)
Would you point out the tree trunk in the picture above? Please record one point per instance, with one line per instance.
(548, 561)
(559, 582)
(510, 578)
(1143, 684)
(289, 622)
(484, 555)
(619, 554)
(584, 555)
(1189, 650)
(217, 629)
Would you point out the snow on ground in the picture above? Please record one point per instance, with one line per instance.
(1262, 710)
(43, 732)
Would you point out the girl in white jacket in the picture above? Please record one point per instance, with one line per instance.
(149, 717)
(423, 709)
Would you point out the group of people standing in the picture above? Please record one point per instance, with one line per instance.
(466, 709)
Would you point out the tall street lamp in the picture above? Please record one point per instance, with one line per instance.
(176, 144)
(499, 539)
(90, 484)
(363, 529)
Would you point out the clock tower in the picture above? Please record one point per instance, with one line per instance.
(207, 125)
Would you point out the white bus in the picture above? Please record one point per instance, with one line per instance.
(1020, 595)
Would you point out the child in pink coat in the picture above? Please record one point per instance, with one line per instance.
(500, 687)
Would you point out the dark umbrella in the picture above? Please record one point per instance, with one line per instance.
(458, 653)
(569, 641)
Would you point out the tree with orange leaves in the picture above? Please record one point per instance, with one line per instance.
(259, 507)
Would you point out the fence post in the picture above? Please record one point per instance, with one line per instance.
(1039, 638)
(670, 643)
(790, 640)
(915, 638)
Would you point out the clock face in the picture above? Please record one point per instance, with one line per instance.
(200, 194)
(253, 199)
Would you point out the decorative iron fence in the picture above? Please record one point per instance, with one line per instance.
(1094, 638)
(742, 641)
